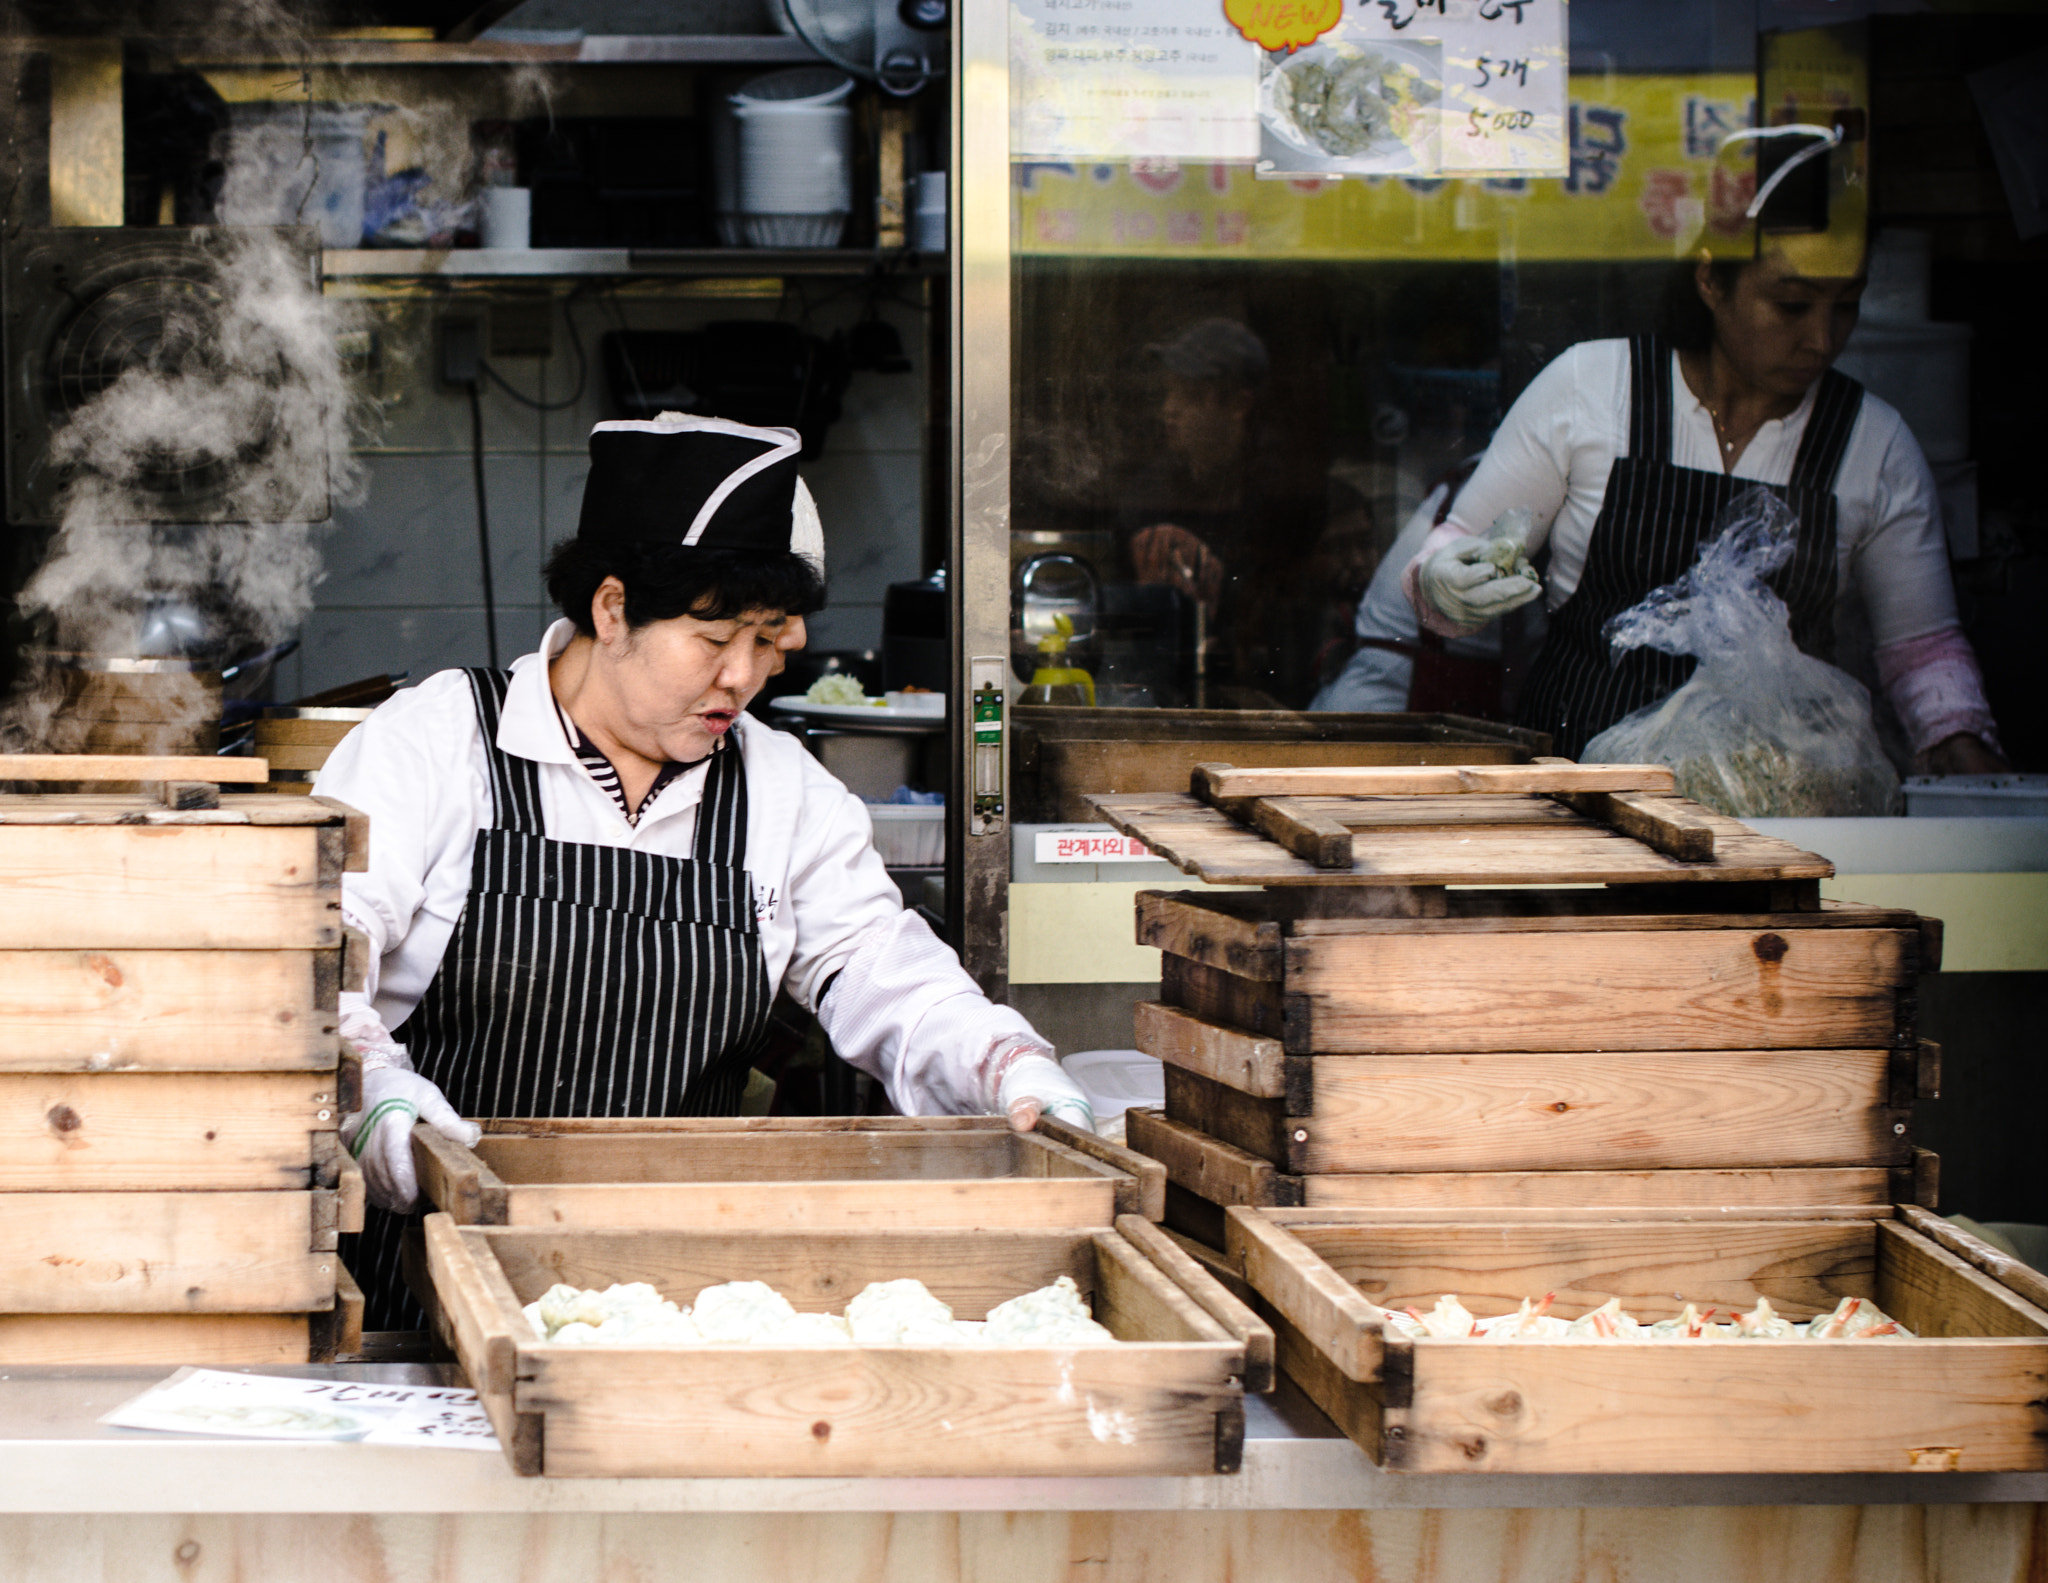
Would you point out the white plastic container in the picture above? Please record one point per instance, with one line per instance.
(1976, 796)
(1115, 1080)
(910, 835)
(289, 164)
(795, 165)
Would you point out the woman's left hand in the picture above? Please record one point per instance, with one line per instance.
(1964, 754)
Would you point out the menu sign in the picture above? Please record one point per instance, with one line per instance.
(1420, 88)
(1130, 79)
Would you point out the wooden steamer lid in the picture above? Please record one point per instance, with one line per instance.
(1552, 822)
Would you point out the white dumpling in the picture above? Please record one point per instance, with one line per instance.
(884, 1308)
(740, 1311)
(812, 1330)
(1054, 1315)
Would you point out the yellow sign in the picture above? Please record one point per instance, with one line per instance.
(1643, 183)
(1283, 24)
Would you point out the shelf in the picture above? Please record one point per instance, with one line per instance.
(620, 49)
(483, 263)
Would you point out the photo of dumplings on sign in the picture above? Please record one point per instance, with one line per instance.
(1344, 107)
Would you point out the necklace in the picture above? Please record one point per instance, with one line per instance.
(1720, 433)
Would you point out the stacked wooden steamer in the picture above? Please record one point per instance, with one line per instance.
(818, 1208)
(1690, 1079)
(171, 1183)
(1662, 1013)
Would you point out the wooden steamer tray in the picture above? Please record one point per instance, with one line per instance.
(1167, 1400)
(171, 1181)
(1969, 1394)
(1660, 1012)
(763, 1173)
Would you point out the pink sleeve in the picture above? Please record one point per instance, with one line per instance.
(1934, 685)
(1433, 619)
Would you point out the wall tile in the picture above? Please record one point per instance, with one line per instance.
(345, 645)
(870, 504)
(414, 540)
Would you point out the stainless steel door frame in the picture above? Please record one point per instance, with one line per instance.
(978, 864)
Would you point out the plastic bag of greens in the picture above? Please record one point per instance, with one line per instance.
(1760, 730)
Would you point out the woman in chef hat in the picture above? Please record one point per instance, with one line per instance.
(589, 875)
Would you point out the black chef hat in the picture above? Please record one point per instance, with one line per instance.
(706, 482)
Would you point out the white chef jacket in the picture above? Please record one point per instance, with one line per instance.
(900, 1006)
(1553, 451)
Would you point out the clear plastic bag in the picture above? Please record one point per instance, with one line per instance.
(1760, 730)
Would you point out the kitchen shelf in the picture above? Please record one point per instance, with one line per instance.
(475, 263)
(619, 49)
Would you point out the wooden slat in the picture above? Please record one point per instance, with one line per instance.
(356, 833)
(1257, 1126)
(1201, 1285)
(648, 1154)
(1804, 1267)
(1203, 841)
(101, 1341)
(1140, 1182)
(1331, 1314)
(2027, 1282)
(158, 1130)
(1242, 1060)
(1208, 935)
(176, 1252)
(1662, 1110)
(1724, 1407)
(1014, 1203)
(838, 1412)
(1205, 1166)
(1665, 823)
(180, 887)
(1382, 780)
(1145, 1303)
(1467, 1191)
(1932, 1291)
(970, 1269)
(1647, 990)
(1256, 1006)
(481, 1324)
(351, 1193)
(130, 767)
(457, 1182)
(124, 1009)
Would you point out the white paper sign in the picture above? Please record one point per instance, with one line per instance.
(1130, 79)
(266, 1407)
(1090, 846)
(1504, 78)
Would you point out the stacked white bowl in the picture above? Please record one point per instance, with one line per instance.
(795, 157)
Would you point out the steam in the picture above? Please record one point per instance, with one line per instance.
(201, 479)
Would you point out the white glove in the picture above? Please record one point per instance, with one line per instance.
(1029, 1084)
(1466, 584)
(380, 1134)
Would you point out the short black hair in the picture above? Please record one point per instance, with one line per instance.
(667, 580)
(1683, 318)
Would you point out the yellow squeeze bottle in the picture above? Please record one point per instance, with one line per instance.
(1053, 682)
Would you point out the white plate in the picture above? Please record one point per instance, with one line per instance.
(1387, 154)
(796, 703)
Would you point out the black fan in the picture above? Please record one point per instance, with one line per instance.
(85, 308)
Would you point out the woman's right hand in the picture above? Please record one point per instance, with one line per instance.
(1464, 584)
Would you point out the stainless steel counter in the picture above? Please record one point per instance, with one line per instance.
(55, 1457)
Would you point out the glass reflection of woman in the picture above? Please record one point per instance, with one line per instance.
(1628, 449)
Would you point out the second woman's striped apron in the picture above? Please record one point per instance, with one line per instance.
(585, 980)
(1653, 519)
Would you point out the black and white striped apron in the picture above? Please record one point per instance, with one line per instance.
(585, 980)
(1653, 519)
